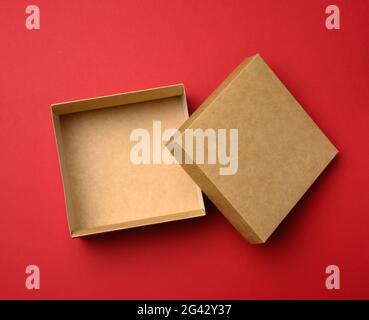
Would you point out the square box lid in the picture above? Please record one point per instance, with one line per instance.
(281, 151)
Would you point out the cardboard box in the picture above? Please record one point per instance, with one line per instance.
(104, 190)
(281, 151)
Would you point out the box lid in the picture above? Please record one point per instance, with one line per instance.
(274, 150)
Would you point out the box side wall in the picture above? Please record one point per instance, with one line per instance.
(140, 223)
(117, 99)
(185, 111)
(63, 171)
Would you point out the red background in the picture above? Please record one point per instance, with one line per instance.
(91, 48)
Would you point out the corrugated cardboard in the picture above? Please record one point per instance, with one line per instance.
(104, 190)
(281, 151)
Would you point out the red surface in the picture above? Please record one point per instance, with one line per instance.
(91, 48)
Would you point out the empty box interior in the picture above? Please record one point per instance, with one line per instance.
(104, 190)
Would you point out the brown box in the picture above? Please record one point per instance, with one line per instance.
(281, 151)
(104, 190)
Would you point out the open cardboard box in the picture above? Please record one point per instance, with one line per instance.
(104, 190)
